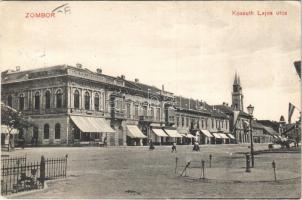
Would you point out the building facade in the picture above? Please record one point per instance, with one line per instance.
(64, 101)
(71, 105)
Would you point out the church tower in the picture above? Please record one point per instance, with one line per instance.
(237, 96)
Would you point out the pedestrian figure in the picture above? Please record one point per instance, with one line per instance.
(174, 147)
(105, 141)
(196, 147)
(151, 145)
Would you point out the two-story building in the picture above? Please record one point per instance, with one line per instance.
(72, 104)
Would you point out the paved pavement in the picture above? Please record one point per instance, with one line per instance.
(136, 172)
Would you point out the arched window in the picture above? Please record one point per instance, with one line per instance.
(87, 101)
(47, 100)
(37, 101)
(76, 99)
(57, 131)
(21, 102)
(10, 101)
(102, 100)
(96, 102)
(46, 131)
(59, 99)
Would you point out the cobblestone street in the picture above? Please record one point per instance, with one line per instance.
(136, 172)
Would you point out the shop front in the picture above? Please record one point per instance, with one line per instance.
(88, 130)
(134, 136)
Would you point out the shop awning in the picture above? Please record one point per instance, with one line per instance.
(92, 124)
(216, 135)
(5, 129)
(190, 136)
(231, 136)
(182, 131)
(159, 132)
(222, 135)
(134, 132)
(172, 133)
(155, 124)
(207, 133)
(270, 130)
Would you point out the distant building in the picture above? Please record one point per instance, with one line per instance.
(201, 122)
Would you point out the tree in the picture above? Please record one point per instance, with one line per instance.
(13, 119)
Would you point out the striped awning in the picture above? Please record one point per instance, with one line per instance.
(222, 135)
(172, 133)
(155, 124)
(134, 132)
(231, 136)
(92, 124)
(216, 135)
(159, 132)
(207, 133)
(5, 129)
(190, 136)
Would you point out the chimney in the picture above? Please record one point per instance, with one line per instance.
(123, 76)
(136, 80)
(79, 65)
(99, 71)
(162, 87)
(18, 68)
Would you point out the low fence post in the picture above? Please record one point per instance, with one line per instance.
(42, 171)
(202, 169)
(247, 164)
(274, 167)
(66, 156)
(176, 159)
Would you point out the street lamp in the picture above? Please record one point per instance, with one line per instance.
(250, 110)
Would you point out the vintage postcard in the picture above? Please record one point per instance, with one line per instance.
(150, 99)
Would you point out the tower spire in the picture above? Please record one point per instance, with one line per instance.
(237, 96)
(236, 79)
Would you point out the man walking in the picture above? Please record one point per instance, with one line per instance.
(174, 147)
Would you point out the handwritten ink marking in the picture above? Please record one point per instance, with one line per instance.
(64, 9)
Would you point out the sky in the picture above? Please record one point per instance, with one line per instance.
(192, 48)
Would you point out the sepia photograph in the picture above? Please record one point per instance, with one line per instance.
(150, 99)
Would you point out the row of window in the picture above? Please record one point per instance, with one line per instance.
(37, 96)
(219, 123)
(58, 99)
(76, 100)
(57, 131)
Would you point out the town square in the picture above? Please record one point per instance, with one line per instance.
(137, 172)
(143, 100)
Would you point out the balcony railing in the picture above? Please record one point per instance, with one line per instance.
(117, 114)
(146, 118)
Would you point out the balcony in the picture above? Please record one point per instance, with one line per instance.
(146, 118)
(44, 111)
(118, 114)
(87, 112)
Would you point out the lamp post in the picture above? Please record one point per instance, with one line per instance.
(250, 109)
